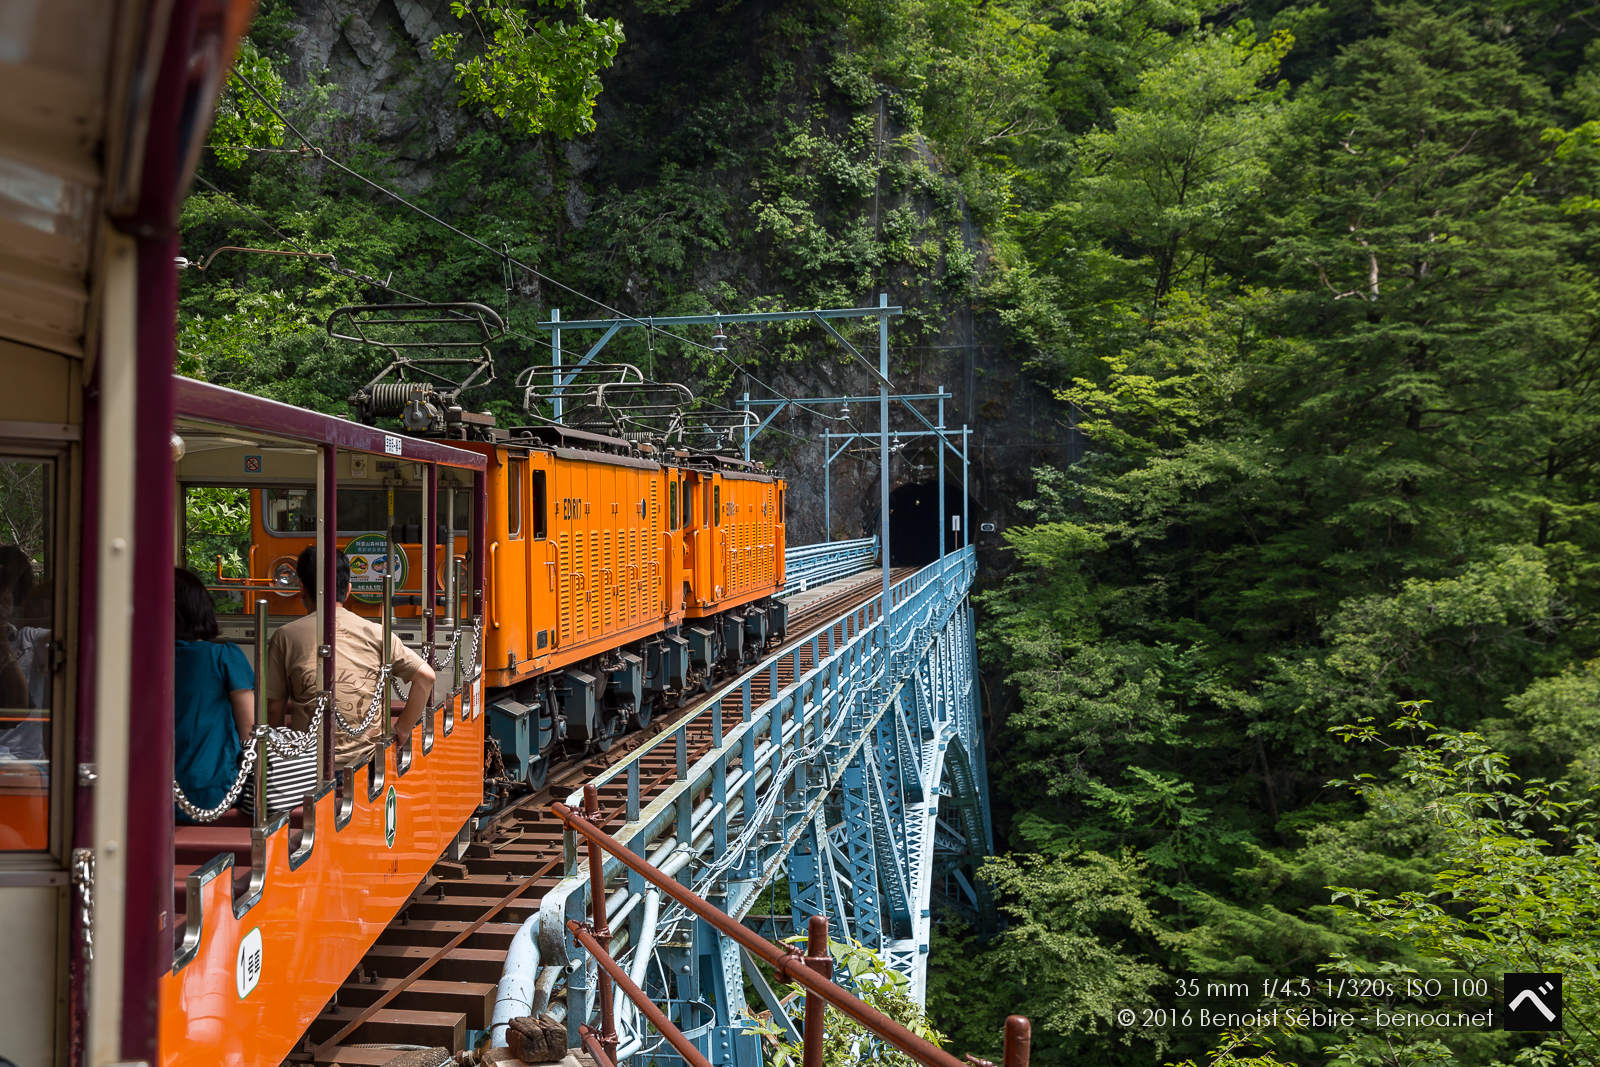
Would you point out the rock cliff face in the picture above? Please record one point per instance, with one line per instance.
(384, 87)
(691, 99)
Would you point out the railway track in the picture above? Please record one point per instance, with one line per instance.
(431, 975)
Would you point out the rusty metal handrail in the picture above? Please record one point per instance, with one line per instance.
(607, 1035)
(789, 964)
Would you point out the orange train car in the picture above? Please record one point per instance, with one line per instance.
(618, 579)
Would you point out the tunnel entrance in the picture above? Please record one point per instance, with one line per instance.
(914, 523)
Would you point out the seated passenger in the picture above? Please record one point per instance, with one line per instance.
(214, 702)
(294, 671)
(33, 632)
(16, 579)
(24, 660)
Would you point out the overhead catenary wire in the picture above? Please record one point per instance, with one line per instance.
(330, 263)
(316, 151)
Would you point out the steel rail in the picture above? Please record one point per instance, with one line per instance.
(788, 964)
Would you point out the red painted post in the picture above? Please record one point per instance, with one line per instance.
(602, 932)
(1019, 1036)
(818, 960)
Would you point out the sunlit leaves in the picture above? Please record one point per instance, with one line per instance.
(846, 1043)
(1172, 170)
(1514, 886)
(243, 119)
(538, 72)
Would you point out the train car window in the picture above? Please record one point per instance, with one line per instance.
(216, 523)
(27, 650)
(516, 474)
(293, 512)
(290, 511)
(716, 505)
(537, 507)
(672, 504)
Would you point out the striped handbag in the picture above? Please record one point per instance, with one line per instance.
(290, 774)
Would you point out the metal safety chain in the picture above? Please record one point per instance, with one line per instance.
(449, 654)
(471, 668)
(83, 880)
(292, 744)
(379, 694)
(247, 763)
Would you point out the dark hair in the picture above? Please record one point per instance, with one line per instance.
(16, 572)
(306, 568)
(196, 615)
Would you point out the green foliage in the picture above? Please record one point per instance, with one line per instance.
(536, 73)
(846, 1042)
(216, 537)
(1329, 339)
(1188, 152)
(25, 520)
(1514, 889)
(244, 119)
(1074, 940)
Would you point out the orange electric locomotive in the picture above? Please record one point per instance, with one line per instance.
(630, 554)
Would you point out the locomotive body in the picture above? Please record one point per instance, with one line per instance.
(618, 580)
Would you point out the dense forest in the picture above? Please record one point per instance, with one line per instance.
(1296, 671)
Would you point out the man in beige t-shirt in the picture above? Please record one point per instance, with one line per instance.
(294, 671)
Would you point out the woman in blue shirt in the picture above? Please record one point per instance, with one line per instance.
(215, 705)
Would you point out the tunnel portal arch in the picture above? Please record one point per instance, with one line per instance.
(914, 522)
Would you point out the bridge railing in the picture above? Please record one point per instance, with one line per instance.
(813, 971)
(811, 565)
(738, 811)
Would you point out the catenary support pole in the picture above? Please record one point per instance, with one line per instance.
(939, 446)
(883, 445)
(827, 488)
(966, 491)
(555, 361)
(744, 405)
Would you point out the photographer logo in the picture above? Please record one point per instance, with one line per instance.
(1533, 1002)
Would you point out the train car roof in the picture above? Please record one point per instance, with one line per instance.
(78, 78)
(228, 407)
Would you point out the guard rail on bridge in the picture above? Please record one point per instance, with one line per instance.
(811, 565)
(852, 784)
(813, 971)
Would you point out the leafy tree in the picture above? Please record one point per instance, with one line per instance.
(536, 73)
(1514, 889)
(243, 118)
(1069, 945)
(1173, 167)
(846, 1042)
